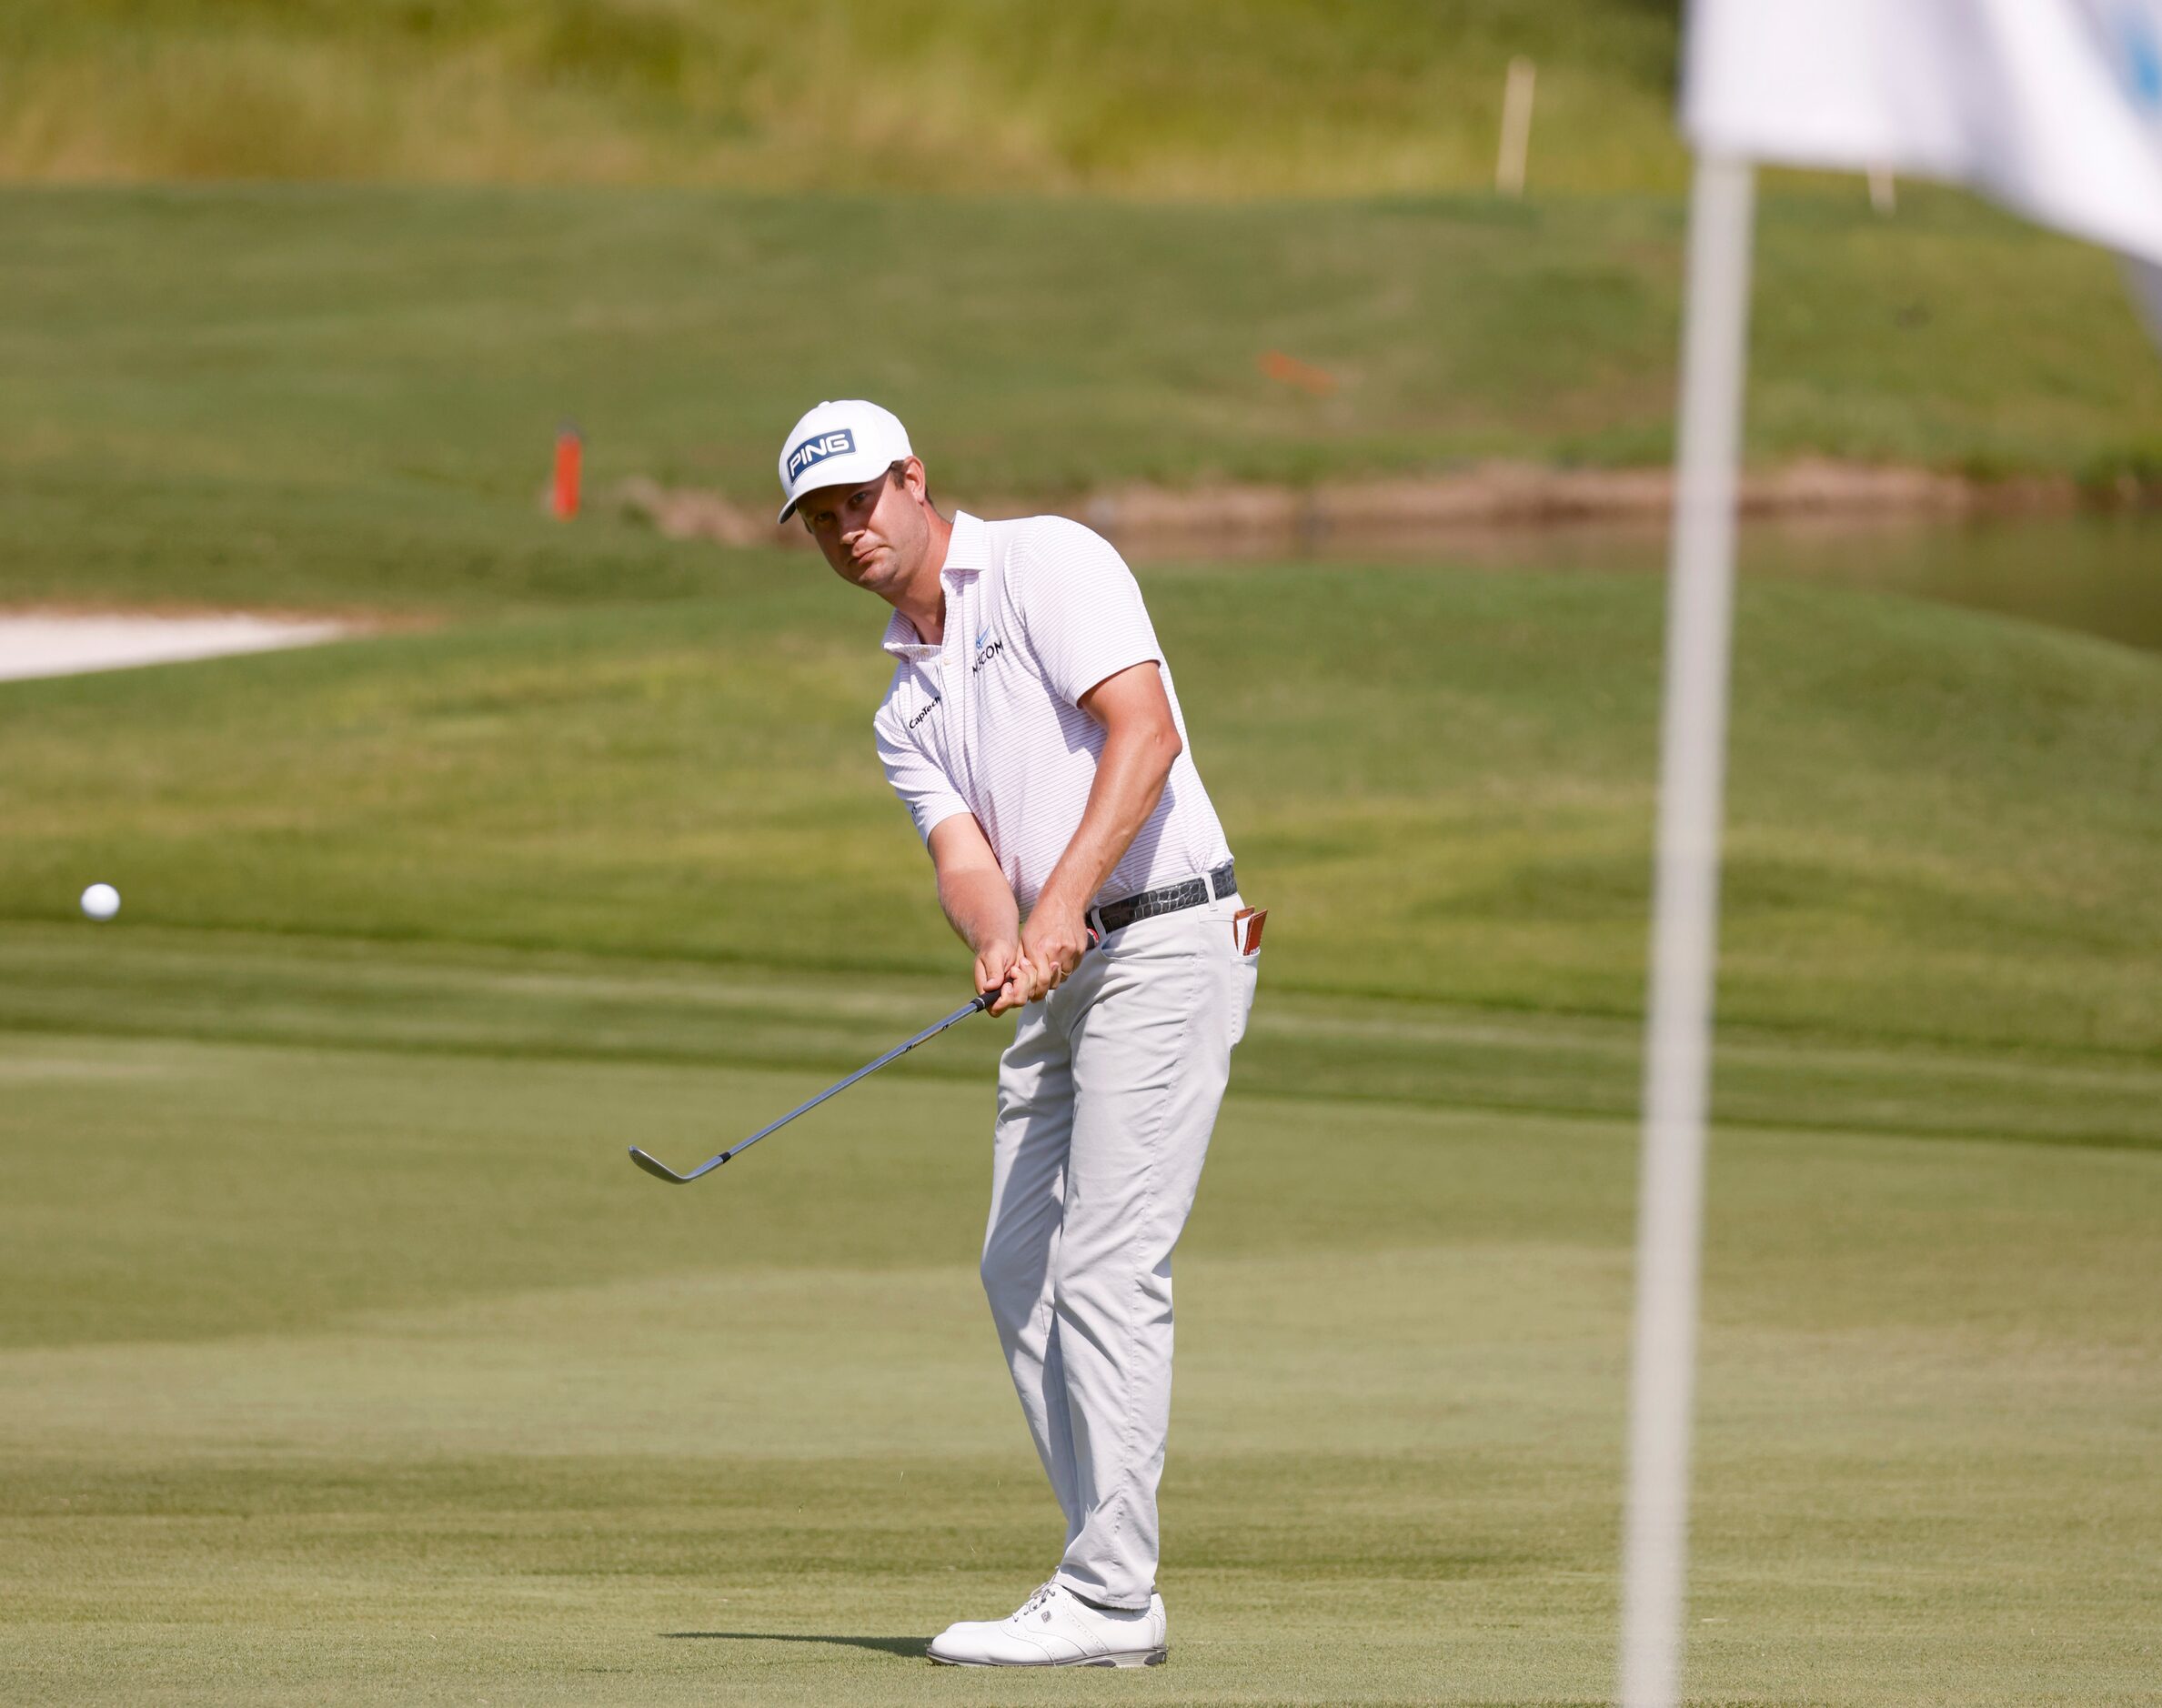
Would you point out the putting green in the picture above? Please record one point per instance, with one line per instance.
(367, 1376)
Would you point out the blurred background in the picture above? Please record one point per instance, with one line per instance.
(347, 1358)
(1216, 98)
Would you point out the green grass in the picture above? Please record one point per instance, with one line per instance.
(347, 1358)
(693, 780)
(350, 1375)
(300, 395)
(1202, 97)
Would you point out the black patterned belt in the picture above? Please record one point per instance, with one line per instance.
(1114, 915)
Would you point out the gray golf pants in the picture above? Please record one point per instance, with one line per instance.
(1106, 1099)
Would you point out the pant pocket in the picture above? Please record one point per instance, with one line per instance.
(1245, 976)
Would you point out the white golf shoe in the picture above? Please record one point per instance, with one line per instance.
(1054, 1627)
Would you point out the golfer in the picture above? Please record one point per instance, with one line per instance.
(1033, 731)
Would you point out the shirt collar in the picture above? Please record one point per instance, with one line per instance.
(968, 552)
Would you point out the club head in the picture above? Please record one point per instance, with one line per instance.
(660, 1171)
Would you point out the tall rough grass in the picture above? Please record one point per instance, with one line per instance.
(1149, 97)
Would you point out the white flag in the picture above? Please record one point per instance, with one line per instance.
(2052, 107)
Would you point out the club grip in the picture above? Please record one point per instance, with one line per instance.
(984, 999)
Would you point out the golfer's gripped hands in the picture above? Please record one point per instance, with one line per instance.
(1001, 968)
(1052, 942)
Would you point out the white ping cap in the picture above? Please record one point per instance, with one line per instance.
(846, 444)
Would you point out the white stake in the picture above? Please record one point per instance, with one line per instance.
(1516, 127)
(1685, 933)
(1884, 195)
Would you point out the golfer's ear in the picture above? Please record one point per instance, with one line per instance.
(915, 478)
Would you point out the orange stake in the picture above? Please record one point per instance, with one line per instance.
(564, 498)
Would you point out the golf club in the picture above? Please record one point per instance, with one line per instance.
(662, 1172)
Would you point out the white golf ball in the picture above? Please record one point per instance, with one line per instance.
(101, 901)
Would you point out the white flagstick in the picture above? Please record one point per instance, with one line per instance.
(1684, 933)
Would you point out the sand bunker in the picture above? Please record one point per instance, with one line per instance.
(54, 643)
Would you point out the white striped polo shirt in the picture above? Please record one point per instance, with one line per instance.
(1037, 612)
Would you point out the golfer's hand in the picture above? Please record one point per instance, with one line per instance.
(1001, 969)
(1052, 944)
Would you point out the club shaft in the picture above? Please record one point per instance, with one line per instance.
(928, 1033)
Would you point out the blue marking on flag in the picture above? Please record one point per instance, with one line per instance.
(2143, 55)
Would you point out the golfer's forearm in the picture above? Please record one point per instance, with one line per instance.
(1131, 773)
(979, 906)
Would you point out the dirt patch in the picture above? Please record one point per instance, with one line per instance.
(689, 513)
(1242, 518)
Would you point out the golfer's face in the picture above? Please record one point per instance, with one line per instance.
(871, 534)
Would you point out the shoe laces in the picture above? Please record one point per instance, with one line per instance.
(1038, 1597)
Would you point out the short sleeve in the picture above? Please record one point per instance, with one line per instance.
(1082, 609)
(923, 788)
